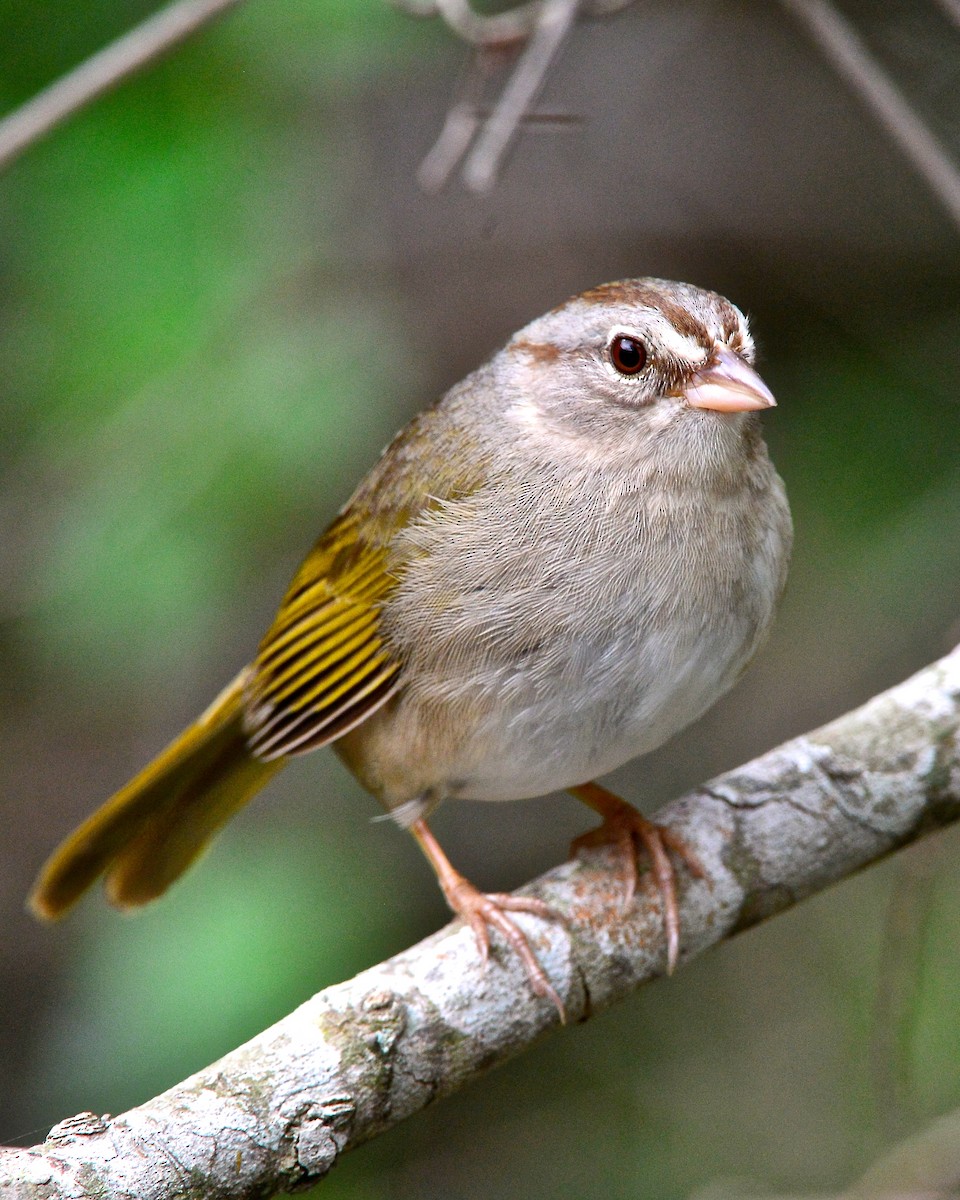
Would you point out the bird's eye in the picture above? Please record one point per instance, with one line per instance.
(628, 354)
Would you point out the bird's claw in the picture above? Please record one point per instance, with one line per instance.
(626, 831)
(484, 911)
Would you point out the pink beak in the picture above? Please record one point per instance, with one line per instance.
(727, 383)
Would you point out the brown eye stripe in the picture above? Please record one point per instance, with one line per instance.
(544, 352)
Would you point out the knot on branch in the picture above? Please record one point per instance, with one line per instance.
(315, 1132)
(83, 1125)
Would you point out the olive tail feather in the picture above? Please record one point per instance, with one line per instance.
(147, 834)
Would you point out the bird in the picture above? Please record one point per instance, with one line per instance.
(551, 571)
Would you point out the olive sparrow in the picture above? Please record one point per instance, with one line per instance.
(551, 571)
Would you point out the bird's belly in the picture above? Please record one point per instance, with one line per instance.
(630, 696)
(525, 679)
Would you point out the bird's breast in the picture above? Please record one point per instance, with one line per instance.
(547, 643)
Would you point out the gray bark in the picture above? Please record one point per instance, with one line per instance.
(275, 1114)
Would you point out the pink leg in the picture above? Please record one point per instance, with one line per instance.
(489, 910)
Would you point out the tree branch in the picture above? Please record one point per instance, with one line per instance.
(103, 71)
(361, 1056)
(534, 31)
(554, 23)
(843, 48)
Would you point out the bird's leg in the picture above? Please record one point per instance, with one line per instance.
(627, 830)
(483, 910)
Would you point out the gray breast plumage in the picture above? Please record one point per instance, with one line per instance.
(571, 618)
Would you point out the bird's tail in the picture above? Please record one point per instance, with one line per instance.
(147, 835)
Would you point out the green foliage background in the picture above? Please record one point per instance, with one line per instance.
(220, 294)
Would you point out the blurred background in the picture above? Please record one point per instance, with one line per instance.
(221, 291)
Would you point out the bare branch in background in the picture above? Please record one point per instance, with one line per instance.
(537, 31)
(554, 22)
(462, 122)
(541, 29)
(103, 71)
(358, 1058)
(843, 48)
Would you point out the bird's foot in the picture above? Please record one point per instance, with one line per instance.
(488, 910)
(627, 832)
(484, 911)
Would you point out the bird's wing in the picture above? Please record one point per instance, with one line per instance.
(323, 666)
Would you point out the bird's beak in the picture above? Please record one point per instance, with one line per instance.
(727, 383)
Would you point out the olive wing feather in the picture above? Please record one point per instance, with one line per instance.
(325, 664)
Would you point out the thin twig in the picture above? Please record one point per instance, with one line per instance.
(554, 23)
(539, 27)
(275, 1114)
(104, 71)
(841, 45)
(462, 122)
